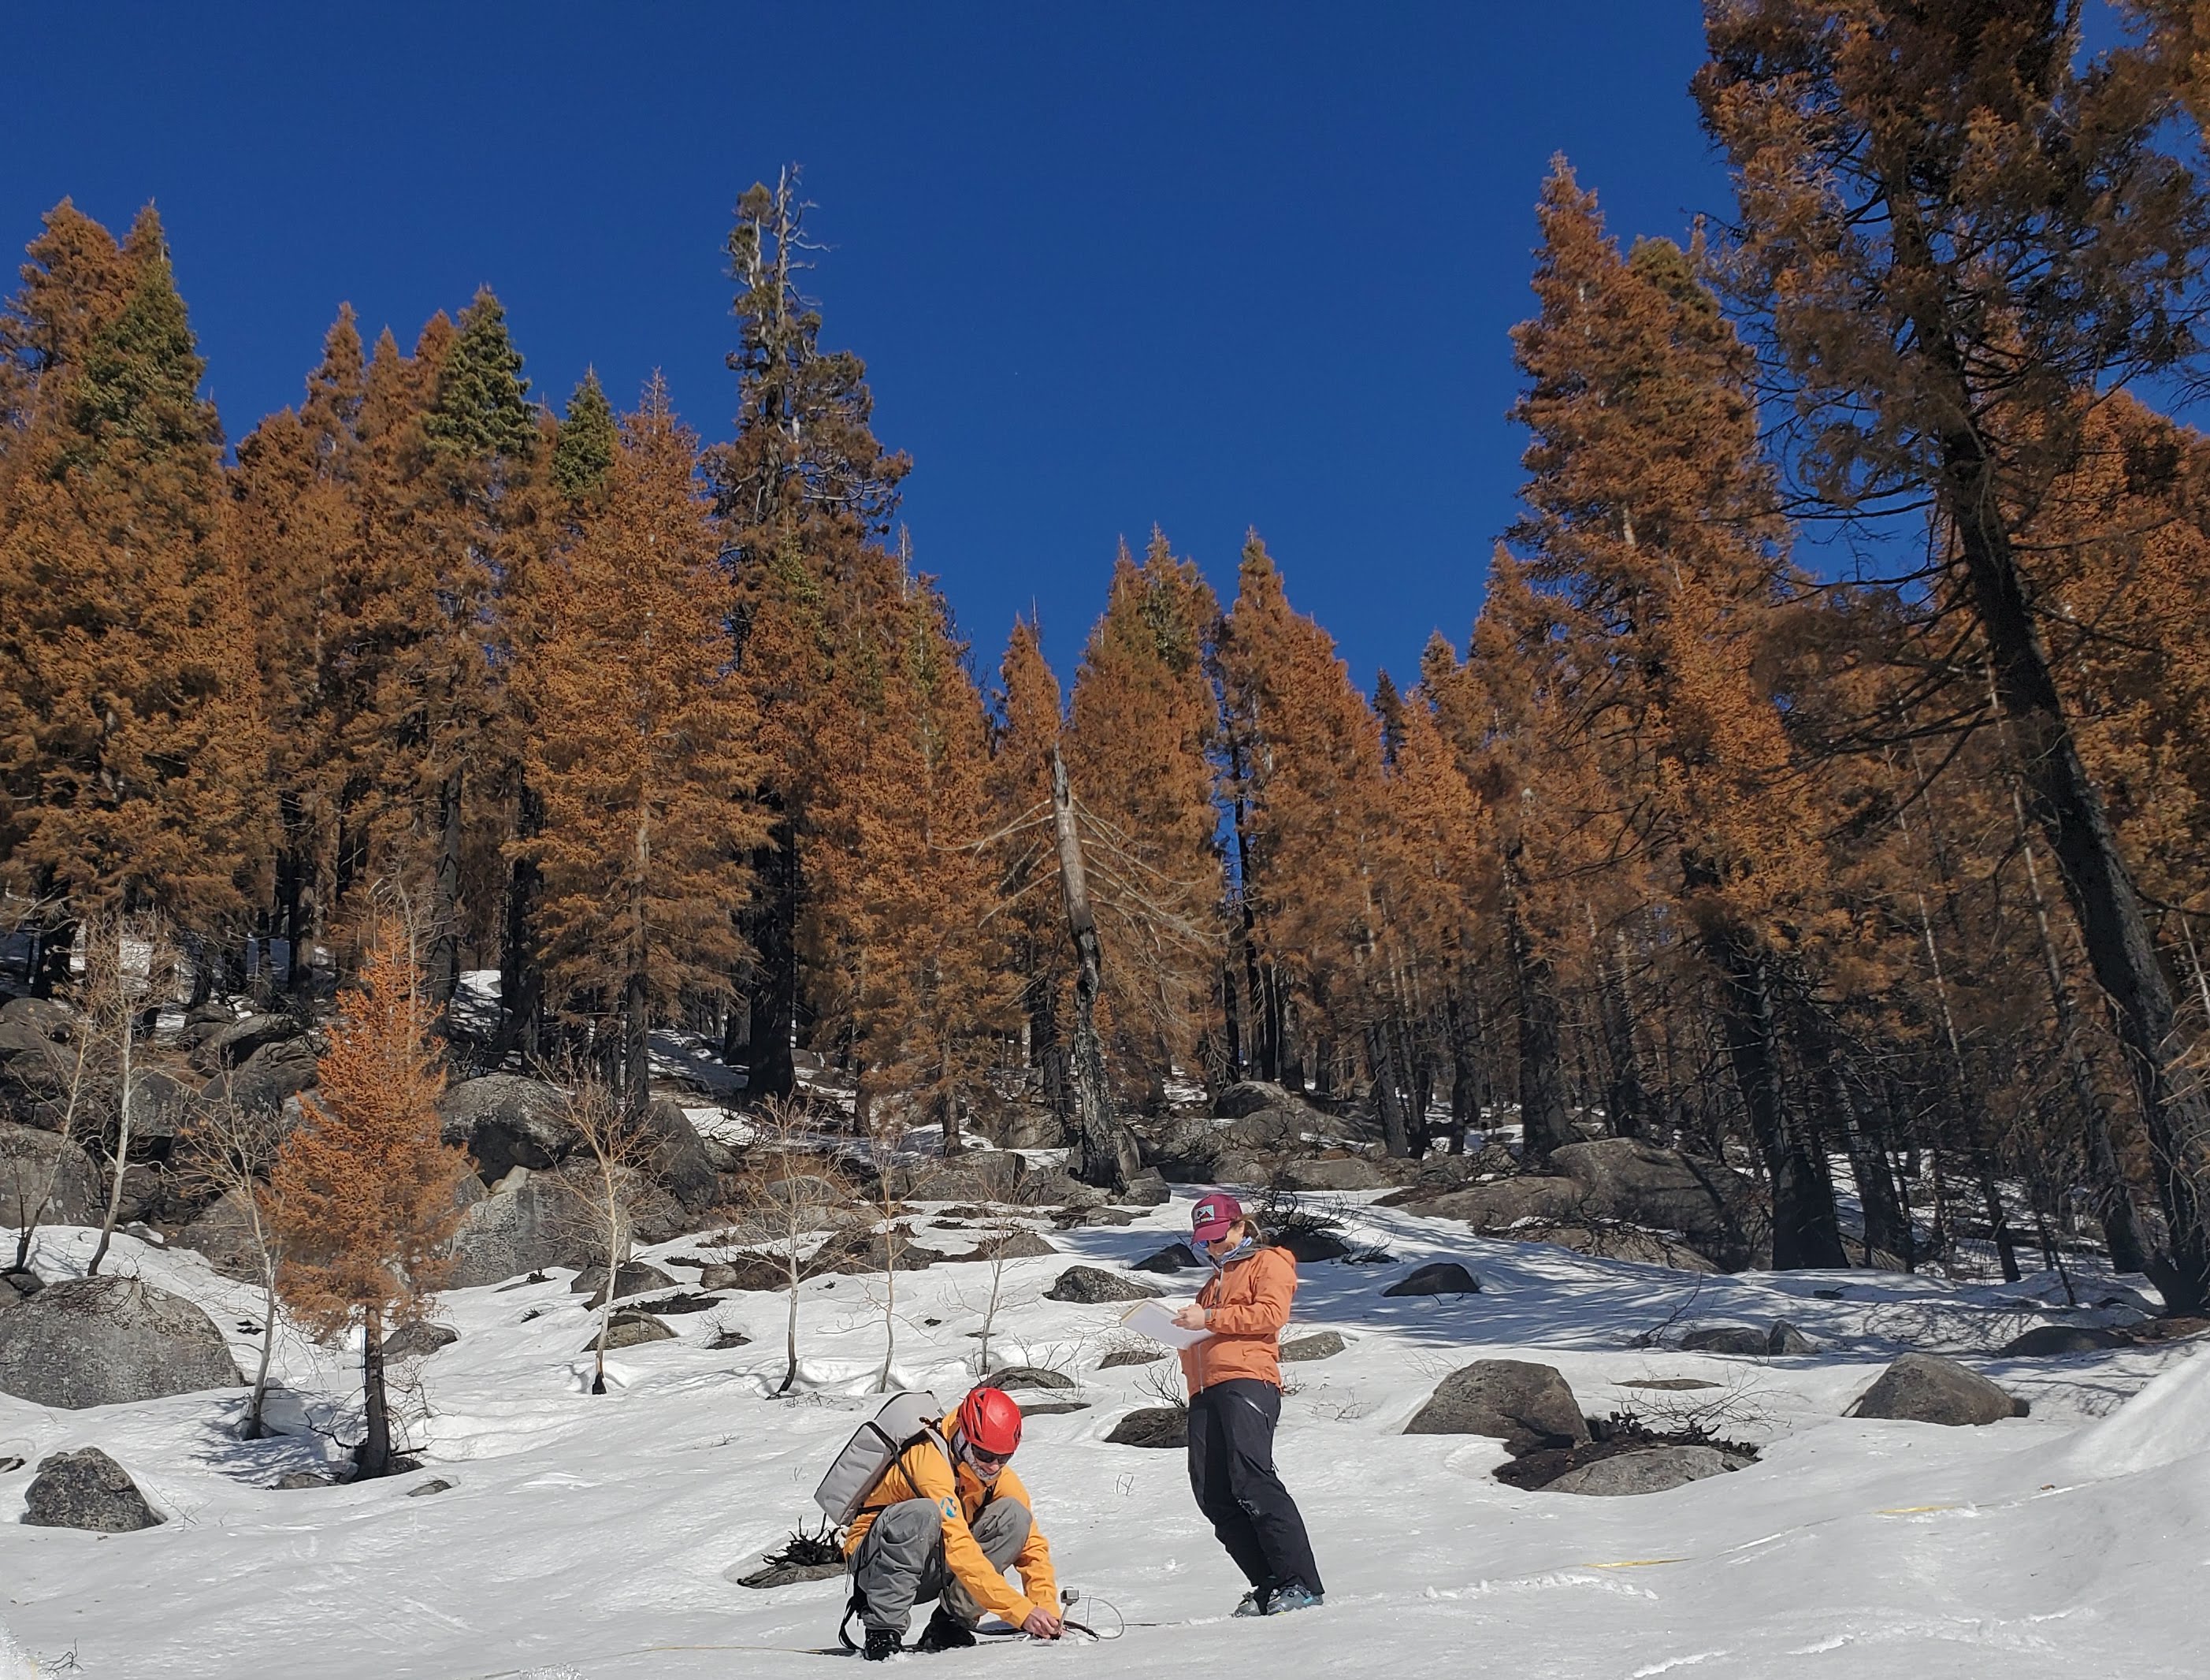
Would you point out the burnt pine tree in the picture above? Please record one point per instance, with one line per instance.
(804, 491)
(1650, 516)
(641, 753)
(134, 762)
(1961, 235)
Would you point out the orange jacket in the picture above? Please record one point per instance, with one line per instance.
(1246, 1303)
(923, 1471)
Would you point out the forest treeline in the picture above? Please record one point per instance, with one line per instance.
(1902, 875)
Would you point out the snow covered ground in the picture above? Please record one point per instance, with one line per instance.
(593, 1538)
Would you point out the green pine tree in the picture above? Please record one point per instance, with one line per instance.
(583, 454)
(483, 408)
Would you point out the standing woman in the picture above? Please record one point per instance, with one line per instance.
(1234, 1381)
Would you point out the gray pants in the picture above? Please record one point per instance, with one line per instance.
(901, 1561)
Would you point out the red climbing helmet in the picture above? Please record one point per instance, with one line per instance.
(989, 1421)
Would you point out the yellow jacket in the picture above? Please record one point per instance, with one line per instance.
(923, 1471)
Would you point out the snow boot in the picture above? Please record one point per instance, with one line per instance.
(1295, 1596)
(944, 1632)
(882, 1642)
(1254, 1603)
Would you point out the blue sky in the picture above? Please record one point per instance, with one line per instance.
(1206, 267)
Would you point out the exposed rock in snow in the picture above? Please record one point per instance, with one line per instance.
(103, 1341)
(679, 1160)
(31, 1159)
(46, 1017)
(1736, 1338)
(1926, 1388)
(1523, 1404)
(746, 1271)
(1651, 1470)
(1321, 1344)
(2046, 1340)
(161, 1103)
(1028, 1376)
(1718, 1211)
(229, 1046)
(418, 1341)
(224, 1233)
(1438, 1277)
(632, 1330)
(1146, 1188)
(263, 1079)
(1012, 1246)
(1341, 1172)
(1088, 1285)
(86, 1489)
(634, 1277)
(1152, 1426)
(505, 1121)
(1784, 1340)
(1615, 1241)
(1175, 1257)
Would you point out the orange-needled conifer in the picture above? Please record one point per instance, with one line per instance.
(365, 1193)
(1142, 725)
(641, 753)
(131, 741)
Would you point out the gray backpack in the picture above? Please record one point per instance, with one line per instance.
(875, 1446)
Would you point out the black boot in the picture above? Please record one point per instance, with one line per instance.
(882, 1642)
(944, 1632)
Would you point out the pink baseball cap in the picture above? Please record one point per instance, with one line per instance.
(1214, 1215)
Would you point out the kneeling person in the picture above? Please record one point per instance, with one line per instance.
(946, 1522)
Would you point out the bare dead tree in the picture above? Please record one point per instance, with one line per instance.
(791, 1190)
(1107, 1153)
(230, 1148)
(125, 958)
(996, 1247)
(602, 1202)
(886, 1209)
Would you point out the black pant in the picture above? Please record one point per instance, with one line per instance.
(1231, 1472)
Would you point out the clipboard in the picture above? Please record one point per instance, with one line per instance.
(1155, 1319)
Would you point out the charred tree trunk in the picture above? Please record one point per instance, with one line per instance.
(521, 982)
(293, 865)
(1469, 1096)
(2067, 807)
(2114, 1202)
(1262, 1049)
(373, 1456)
(1107, 1153)
(443, 965)
(1544, 1121)
(635, 1046)
(1888, 1226)
(1805, 1230)
(1388, 1093)
(774, 997)
(1999, 1224)
(1626, 1100)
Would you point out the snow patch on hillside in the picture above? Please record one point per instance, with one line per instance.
(597, 1538)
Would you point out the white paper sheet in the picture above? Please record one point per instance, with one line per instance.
(1155, 1319)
